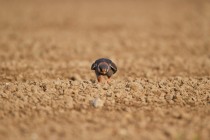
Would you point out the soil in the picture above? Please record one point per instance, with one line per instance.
(161, 90)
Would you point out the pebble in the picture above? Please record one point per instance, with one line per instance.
(97, 103)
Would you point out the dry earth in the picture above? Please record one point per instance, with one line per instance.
(162, 88)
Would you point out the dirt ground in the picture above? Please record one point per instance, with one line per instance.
(161, 90)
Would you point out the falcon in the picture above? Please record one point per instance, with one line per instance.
(104, 67)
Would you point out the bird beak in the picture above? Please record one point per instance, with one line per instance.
(104, 71)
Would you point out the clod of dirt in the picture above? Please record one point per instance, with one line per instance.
(169, 97)
(75, 77)
(135, 86)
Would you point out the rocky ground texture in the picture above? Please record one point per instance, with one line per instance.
(161, 90)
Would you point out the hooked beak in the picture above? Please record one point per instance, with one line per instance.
(104, 71)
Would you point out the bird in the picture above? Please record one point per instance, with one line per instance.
(104, 67)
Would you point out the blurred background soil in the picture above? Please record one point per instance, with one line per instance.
(161, 48)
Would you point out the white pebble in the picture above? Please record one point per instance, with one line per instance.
(97, 102)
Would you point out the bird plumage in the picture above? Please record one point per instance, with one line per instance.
(105, 67)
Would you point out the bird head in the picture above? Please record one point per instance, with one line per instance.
(103, 68)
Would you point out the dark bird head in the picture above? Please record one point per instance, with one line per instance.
(103, 68)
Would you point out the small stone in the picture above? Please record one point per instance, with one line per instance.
(105, 87)
(109, 94)
(97, 102)
(118, 95)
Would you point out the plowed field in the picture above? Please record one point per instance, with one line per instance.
(160, 92)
